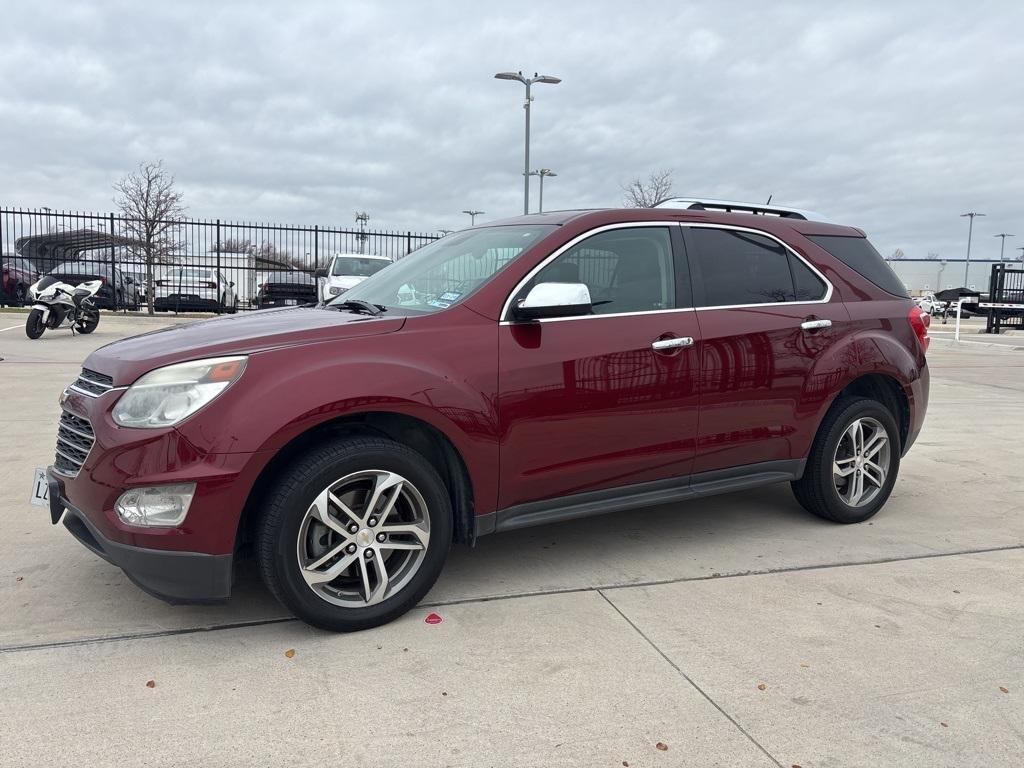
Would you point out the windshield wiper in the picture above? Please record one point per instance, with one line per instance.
(358, 305)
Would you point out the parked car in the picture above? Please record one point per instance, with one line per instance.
(194, 289)
(346, 270)
(114, 289)
(541, 369)
(286, 288)
(18, 275)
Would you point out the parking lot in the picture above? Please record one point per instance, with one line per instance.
(734, 631)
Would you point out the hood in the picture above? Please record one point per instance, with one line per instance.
(244, 333)
(345, 281)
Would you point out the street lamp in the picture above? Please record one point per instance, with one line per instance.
(527, 81)
(542, 173)
(472, 216)
(1002, 243)
(1021, 249)
(970, 231)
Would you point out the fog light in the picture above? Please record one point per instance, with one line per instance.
(156, 506)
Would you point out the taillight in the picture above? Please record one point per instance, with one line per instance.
(208, 284)
(103, 281)
(919, 321)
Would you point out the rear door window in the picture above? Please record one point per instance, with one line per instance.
(739, 268)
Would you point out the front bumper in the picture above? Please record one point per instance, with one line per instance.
(174, 576)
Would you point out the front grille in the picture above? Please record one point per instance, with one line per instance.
(74, 441)
(92, 383)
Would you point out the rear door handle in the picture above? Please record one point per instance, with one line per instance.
(813, 325)
(681, 341)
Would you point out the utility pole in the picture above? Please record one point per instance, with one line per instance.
(527, 81)
(362, 217)
(970, 230)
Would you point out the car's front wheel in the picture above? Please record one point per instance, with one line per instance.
(354, 533)
(853, 462)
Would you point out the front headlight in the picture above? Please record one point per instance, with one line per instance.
(168, 395)
(336, 291)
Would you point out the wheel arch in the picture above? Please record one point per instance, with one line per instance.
(886, 390)
(426, 439)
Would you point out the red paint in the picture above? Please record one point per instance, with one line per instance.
(534, 411)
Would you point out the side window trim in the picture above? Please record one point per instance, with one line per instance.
(677, 253)
(699, 296)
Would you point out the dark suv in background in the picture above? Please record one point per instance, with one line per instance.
(538, 369)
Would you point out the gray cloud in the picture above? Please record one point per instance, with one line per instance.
(895, 117)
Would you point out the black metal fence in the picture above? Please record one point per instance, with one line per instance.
(1005, 286)
(228, 260)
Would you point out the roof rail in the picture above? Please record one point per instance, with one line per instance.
(731, 206)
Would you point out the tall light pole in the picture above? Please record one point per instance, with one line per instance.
(970, 230)
(1002, 244)
(1021, 249)
(362, 217)
(472, 216)
(542, 173)
(527, 81)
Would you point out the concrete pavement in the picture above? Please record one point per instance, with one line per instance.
(584, 643)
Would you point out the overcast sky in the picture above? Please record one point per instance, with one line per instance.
(895, 117)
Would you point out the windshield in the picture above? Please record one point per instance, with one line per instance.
(357, 266)
(447, 270)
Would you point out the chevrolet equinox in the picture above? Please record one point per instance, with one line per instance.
(537, 369)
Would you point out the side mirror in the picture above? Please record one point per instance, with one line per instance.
(554, 300)
(322, 272)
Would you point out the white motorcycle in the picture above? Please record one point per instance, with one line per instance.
(56, 304)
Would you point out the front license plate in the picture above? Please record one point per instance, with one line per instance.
(40, 490)
(291, 302)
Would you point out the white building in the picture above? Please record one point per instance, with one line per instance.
(922, 275)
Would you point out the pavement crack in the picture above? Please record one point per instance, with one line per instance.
(600, 588)
(690, 680)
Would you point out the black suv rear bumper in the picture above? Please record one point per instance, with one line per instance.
(173, 576)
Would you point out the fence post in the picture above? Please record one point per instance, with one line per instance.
(113, 273)
(316, 247)
(218, 265)
(408, 243)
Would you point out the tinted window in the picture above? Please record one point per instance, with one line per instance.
(857, 253)
(355, 266)
(741, 268)
(807, 285)
(626, 270)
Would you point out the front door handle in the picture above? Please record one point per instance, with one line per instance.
(814, 325)
(680, 341)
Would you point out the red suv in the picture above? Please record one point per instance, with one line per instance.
(539, 369)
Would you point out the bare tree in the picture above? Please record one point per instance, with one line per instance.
(896, 255)
(647, 194)
(933, 256)
(151, 207)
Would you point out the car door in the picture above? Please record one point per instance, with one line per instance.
(595, 401)
(766, 317)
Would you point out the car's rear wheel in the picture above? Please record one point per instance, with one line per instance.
(354, 533)
(853, 462)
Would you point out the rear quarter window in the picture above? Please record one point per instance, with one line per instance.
(858, 254)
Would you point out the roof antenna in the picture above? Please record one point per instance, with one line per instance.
(769, 199)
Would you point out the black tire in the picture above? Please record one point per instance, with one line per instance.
(34, 325)
(290, 497)
(816, 490)
(90, 319)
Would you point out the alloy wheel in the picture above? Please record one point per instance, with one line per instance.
(861, 463)
(363, 538)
